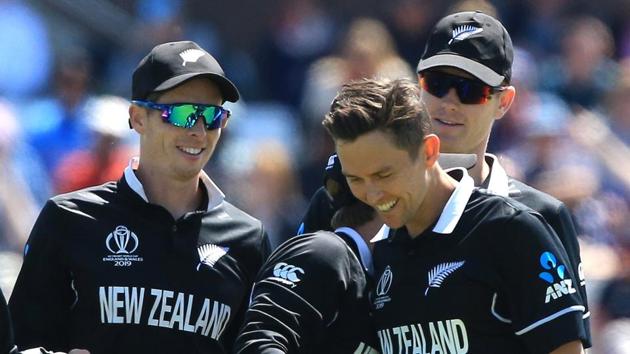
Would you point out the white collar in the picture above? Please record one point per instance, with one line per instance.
(215, 195)
(498, 182)
(365, 256)
(452, 211)
(456, 204)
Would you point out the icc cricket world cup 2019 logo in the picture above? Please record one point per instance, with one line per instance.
(121, 237)
(122, 243)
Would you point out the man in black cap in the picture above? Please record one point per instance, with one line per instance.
(158, 261)
(311, 294)
(465, 74)
(453, 249)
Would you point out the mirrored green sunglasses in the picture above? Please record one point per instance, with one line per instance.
(185, 115)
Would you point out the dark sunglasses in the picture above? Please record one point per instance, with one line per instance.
(185, 115)
(469, 91)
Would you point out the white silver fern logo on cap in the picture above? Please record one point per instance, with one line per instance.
(191, 55)
(440, 272)
(209, 254)
(464, 31)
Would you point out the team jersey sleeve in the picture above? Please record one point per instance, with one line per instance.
(562, 224)
(538, 282)
(6, 333)
(42, 297)
(311, 290)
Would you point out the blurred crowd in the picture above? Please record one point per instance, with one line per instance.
(65, 70)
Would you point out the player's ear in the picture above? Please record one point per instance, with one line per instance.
(431, 148)
(137, 118)
(506, 98)
(224, 122)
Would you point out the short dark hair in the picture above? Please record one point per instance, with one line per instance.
(353, 215)
(391, 106)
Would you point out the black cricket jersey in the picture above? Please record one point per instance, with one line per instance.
(438, 292)
(6, 329)
(107, 271)
(310, 297)
(555, 213)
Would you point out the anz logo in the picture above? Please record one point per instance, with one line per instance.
(561, 286)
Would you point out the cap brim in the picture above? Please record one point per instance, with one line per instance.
(448, 161)
(228, 89)
(472, 67)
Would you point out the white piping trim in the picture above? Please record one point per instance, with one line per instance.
(495, 313)
(550, 318)
(586, 315)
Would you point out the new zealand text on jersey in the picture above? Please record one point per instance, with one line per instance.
(169, 309)
(444, 337)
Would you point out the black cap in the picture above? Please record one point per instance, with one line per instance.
(471, 41)
(170, 64)
(336, 185)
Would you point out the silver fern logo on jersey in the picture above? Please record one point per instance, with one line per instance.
(440, 272)
(122, 243)
(464, 31)
(209, 254)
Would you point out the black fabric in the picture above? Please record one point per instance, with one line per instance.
(440, 290)
(170, 64)
(6, 329)
(319, 213)
(464, 37)
(106, 271)
(310, 297)
(559, 217)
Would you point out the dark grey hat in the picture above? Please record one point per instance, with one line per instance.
(471, 41)
(170, 64)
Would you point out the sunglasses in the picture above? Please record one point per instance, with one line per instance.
(469, 91)
(185, 115)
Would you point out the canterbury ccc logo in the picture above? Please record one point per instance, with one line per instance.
(385, 282)
(288, 272)
(122, 241)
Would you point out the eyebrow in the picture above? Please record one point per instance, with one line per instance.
(384, 169)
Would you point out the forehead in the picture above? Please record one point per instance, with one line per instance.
(196, 90)
(370, 153)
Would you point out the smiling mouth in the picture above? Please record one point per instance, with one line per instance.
(190, 151)
(445, 122)
(385, 207)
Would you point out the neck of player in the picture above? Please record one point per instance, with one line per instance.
(438, 192)
(177, 196)
(481, 170)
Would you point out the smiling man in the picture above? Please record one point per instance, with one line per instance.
(465, 75)
(452, 249)
(157, 262)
